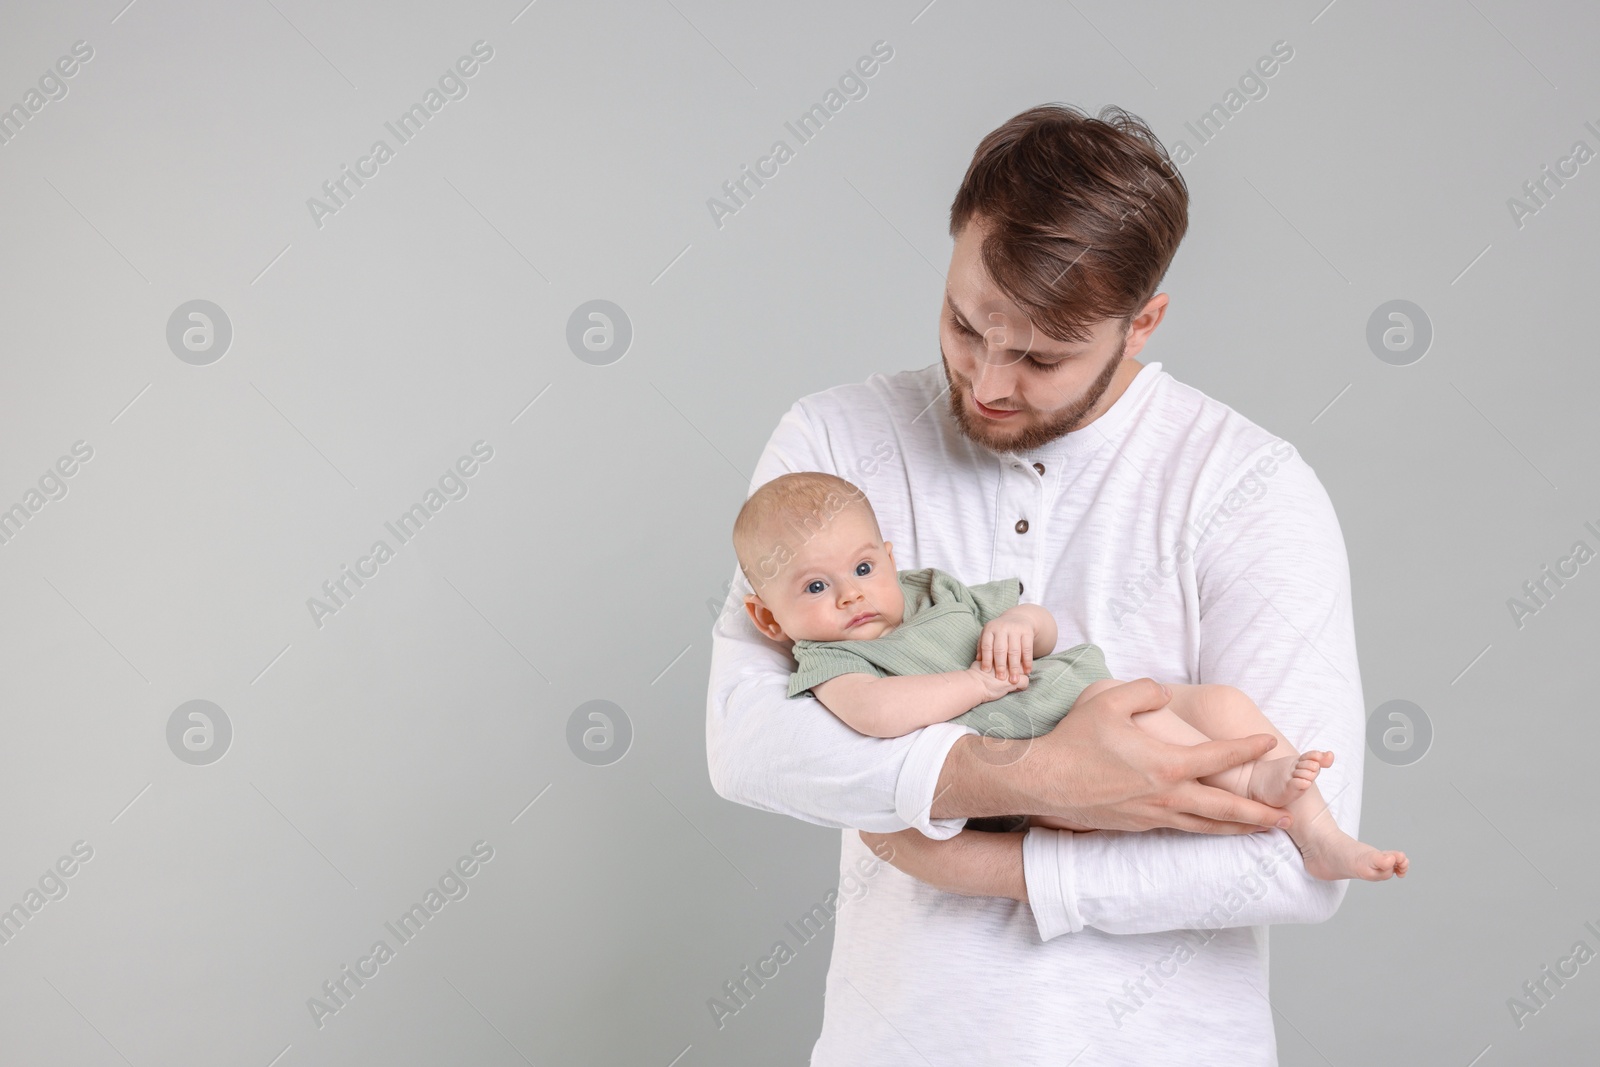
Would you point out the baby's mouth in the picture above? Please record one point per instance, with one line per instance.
(859, 619)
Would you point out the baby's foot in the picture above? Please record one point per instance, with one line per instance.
(1338, 855)
(1276, 782)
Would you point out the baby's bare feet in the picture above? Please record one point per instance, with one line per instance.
(1276, 782)
(1338, 855)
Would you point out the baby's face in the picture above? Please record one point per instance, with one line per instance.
(840, 575)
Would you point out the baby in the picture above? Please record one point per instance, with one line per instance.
(891, 651)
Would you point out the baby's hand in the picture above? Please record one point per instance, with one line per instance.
(1006, 647)
(995, 687)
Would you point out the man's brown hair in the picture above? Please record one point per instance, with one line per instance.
(1086, 214)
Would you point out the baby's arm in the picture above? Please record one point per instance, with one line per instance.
(898, 704)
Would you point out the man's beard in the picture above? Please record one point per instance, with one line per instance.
(998, 437)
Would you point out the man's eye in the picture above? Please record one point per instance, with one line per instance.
(963, 331)
(815, 587)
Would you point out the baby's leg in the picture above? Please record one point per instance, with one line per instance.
(1221, 711)
(1199, 713)
(1282, 778)
(1176, 725)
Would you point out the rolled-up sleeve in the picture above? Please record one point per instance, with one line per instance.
(1273, 585)
(793, 756)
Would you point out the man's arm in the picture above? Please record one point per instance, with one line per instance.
(1099, 769)
(972, 863)
(793, 756)
(1275, 621)
(796, 758)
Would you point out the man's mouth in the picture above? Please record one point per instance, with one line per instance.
(994, 413)
(859, 619)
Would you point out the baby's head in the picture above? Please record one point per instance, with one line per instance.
(810, 547)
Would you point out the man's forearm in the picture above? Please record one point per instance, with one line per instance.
(982, 865)
(971, 863)
(985, 776)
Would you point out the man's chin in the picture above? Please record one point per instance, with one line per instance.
(998, 438)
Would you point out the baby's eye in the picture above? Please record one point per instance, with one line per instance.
(814, 586)
(859, 572)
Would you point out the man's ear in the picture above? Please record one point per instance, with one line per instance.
(762, 616)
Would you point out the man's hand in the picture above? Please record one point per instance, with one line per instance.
(1005, 648)
(1098, 769)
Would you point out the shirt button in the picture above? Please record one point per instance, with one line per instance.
(1022, 526)
(1039, 467)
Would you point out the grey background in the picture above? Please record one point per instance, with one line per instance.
(431, 711)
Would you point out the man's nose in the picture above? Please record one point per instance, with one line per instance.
(991, 376)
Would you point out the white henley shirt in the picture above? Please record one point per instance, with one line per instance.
(1192, 546)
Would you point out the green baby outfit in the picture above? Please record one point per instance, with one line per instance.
(944, 619)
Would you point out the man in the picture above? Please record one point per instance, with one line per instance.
(1186, 541)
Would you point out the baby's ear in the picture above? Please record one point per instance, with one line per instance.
(761, 615)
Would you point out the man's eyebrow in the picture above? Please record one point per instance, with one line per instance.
(950, 303)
